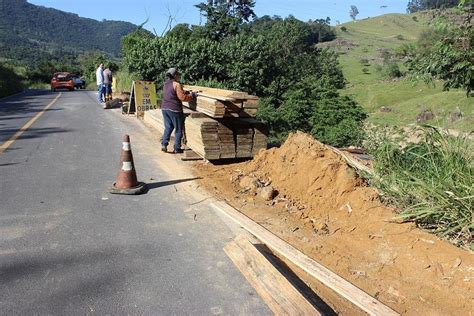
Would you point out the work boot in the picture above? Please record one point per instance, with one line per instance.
(164, 149)
(178, 151)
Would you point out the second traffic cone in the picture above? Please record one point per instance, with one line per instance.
(127, 182)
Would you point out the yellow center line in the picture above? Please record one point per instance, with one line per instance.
(23, 129)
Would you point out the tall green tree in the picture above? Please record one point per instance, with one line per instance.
(353, 12)
(224, 17)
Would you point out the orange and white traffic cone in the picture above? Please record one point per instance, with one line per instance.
(127, 182)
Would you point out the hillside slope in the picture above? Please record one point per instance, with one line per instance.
(367, 40)
(28, 32)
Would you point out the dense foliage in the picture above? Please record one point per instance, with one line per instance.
(33, 34)
(271, 57)
(10, 81)
(419, 5)
(446, 52)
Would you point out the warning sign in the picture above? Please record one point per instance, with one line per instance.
(142, 98)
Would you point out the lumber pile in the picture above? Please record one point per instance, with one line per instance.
(220, 124)
(219, 103)
(215, 139)
(223, 139)
(229, 129)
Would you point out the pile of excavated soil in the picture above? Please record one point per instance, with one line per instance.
(320, 205)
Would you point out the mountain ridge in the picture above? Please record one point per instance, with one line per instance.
(29, 32)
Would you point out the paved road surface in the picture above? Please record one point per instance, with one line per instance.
(68, 247)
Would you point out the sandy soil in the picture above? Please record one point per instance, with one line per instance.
(324, 209)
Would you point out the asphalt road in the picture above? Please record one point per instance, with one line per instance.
(69, 247)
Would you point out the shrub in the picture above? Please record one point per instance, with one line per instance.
(392, 70)
(343, 28)
(364, 62)
(10, 81)
(366, 70)
(400, 37)
(314, 107)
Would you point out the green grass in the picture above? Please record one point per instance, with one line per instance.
(364, 39)
(431, 182)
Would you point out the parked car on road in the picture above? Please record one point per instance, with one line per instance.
(62, 80)
(79, 83)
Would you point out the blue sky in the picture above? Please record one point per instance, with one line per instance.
(183, 11)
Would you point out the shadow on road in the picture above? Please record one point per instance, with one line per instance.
(78, 276)
(8, 164)
(33, 132)
(156, 185)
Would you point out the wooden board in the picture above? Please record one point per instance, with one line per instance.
(279, 294)
(333, 281)
(220, 92)
(217, 97)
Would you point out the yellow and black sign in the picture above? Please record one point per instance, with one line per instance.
(142, 98)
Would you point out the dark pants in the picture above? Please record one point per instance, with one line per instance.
(173, 121)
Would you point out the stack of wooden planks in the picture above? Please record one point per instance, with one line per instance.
(230, 129)
(220, 124)
(219, 103)
(225, 138)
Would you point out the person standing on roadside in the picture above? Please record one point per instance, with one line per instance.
(172, 109)
(99, 74)
(108, 83)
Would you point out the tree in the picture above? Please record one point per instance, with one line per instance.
(449, 57)
(420, 5)
(224, 17)
(353, 12)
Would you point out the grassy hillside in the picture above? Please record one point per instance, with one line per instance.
(29, 33)
(364, 42)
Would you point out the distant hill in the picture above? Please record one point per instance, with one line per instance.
(361, 44)
(29, 32)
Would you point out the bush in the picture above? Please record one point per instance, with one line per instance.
(431, 182)
(312, 106)
(364, 62)
(400, 37)
(343, 28)
(392, 70)
(10, 81)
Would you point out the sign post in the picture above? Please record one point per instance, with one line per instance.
(142, 98)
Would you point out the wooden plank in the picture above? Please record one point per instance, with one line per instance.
(221, 92)
(217, 97)
(279, 294)
(352, 161)
(190, 155)
(333, 281)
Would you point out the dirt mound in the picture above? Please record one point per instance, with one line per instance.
(324, 209)
(306, 172)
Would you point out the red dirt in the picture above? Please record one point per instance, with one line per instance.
(324, 209)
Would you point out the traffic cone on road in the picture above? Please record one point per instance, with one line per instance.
(127, 182)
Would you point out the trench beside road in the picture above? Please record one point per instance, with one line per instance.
(69, 247)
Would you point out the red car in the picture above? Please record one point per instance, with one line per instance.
(62, 80)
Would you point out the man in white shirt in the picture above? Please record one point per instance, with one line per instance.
(100, 82)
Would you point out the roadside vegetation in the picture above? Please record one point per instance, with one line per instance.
(430, 181)
(272, 57)
(10, 81)
(401, 65)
